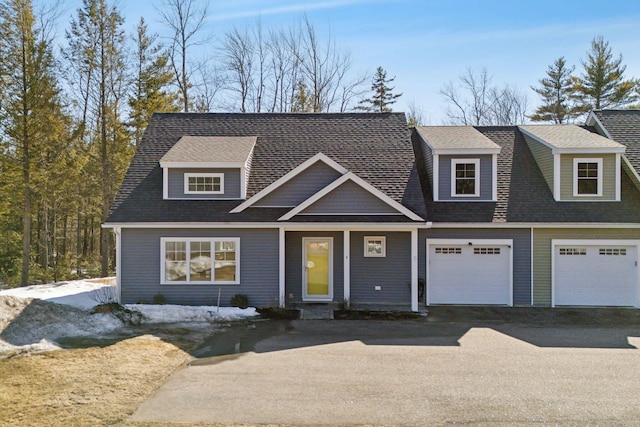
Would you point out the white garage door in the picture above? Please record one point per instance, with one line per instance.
(469, 274)
(602, 275)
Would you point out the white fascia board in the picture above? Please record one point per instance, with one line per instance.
(287, 177)
(576, 150)
(363, 226)
(165, 183)
(631, 168)
(466, 151)
(202, 165)
(618, 177)
(556, 177)
(534, 225)
(350, 176)
(592, 119)
(436, 177)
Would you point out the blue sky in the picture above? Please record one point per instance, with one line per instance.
(426, 43)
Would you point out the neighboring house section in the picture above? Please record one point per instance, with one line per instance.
(356, 209)
(538, 243)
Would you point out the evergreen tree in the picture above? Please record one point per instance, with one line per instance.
(33, 120)
(602, 85)
(383, 95)
(97, 54)
(556, 91)
(303, 102)
(151, 84)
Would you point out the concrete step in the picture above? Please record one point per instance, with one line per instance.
(321, 312)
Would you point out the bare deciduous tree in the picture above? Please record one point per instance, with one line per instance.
(476, 102)
(185, 19)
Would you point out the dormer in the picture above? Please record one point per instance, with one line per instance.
(578, 165)
(461, 163)
(207, 167)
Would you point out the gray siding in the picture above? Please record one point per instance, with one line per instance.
(141, 266)
(301, 187)
(392, 273)
(486, 177)
(428, 161)
(544, 159)
(521, 254)
(293, 258)
(231, 183)
(608, 177)
(350, 198)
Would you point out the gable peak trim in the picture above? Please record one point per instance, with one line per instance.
(350, 176)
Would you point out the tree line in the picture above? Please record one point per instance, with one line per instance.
(565, 96)
(71, 117)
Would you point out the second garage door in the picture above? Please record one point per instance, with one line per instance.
(469, 272)
(595, 274)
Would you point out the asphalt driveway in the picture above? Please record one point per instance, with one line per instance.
(412, 373)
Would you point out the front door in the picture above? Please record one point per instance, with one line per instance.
(317, 269)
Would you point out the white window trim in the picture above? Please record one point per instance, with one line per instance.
(203, 174)
(188, 240)
(383, 239)
(455, 162)
(597, 160)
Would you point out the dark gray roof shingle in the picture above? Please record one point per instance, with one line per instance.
(523, 195)
(624, 127)
(375, 147)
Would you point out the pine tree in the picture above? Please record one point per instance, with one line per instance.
(97, 54)
(33, 121)
(383, 95)
(303, 102)
(152, 81)
(602, 85)
(556, 91)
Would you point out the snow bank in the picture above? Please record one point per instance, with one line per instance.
(76, 293)
(33, 318)
(182, 313)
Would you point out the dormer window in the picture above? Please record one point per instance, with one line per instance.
(587, 177)
(203, 183)
(465, 177)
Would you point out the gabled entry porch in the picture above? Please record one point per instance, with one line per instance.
(348, 265)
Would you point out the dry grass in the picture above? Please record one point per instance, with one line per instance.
(85, 387)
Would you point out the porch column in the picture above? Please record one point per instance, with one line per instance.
(118, 232)
(281, 267)
(414, 270)
(347, 267)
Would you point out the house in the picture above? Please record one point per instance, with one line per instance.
(293, 209)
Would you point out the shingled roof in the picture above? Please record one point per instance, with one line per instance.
(624, 127)
(376, 147)
(210, 149)
(523, 195)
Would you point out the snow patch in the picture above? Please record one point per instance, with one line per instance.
(76, 293)
(169, 313)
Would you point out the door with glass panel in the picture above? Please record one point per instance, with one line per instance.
(317, 269)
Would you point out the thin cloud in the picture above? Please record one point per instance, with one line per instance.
(292, 8)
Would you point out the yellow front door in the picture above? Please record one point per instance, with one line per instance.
(317, 269)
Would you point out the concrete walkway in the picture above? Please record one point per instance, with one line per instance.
(414, 374)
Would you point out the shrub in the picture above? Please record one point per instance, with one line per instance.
(104, 295)
(159, 299)
(240, 300)
(126, 316)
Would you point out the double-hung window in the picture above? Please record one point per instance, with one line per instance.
(465, 177)
(200, 260)
(203, 183)
(587, 177)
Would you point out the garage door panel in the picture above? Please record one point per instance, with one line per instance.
(463, 274)
(595, 275)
